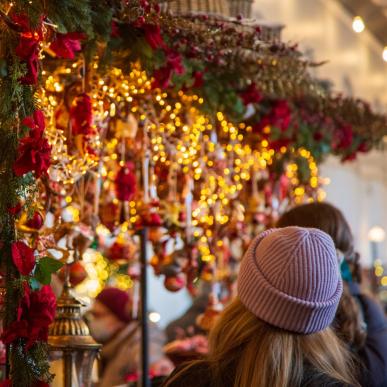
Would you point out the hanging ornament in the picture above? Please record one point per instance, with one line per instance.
(32, 225)
(81, 117)
(175, 283)
(125, 182)
(77, 273)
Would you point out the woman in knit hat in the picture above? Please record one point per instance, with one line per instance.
(360, 321)
(277, 333)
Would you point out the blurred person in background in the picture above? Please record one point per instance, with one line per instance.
(111, 324)
(360, 321)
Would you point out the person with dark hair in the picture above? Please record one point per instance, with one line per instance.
(359, 321)
(276, 333)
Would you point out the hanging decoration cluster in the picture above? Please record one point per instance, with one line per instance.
(116, 117)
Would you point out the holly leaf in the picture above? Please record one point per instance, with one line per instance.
(45, 268)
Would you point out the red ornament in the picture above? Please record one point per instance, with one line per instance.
(23, 257)
(77, 273)
(36, 222)
(66, 45)
(34, 151)
(119, 252)
(150, 219)
(125, 182)
(81, 115)
(175, 283)
(35, 313)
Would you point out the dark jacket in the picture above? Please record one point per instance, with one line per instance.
(199, 375)
(374, 353)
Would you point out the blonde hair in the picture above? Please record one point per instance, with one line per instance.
(250, 352)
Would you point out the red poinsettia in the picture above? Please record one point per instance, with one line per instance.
(34, 151)
(153, 35)
(343, 137)
(125, 182)
(251, 95)
(174, 65)
(279, 116)
(81, 115)
(23, 257)
(35, 313)
(28, 48)
(66, 45)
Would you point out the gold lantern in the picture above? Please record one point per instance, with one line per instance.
(72, 349)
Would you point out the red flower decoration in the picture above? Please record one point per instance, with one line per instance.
(363, 147)
(150, 219)
(278, 144)
(163, 75)
(81, 115)
(34, 151)
(15, 210)
(23, 257)
(28, 48)
(251, 95)
(198, 79)
(279, 117)
(119, 251)
(343, 137)
(66, 45)
(153, 35)
(115, 32)
(35, 313)
(125, 182)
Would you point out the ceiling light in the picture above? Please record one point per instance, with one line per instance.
(385, 54)
(358, 24)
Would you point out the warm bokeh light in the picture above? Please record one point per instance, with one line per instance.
(358, 24)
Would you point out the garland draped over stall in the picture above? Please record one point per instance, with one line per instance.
(186, 122)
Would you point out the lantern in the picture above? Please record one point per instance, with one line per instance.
(72, 349)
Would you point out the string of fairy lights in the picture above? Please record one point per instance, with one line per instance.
(207, 161)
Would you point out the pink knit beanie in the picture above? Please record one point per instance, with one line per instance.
(290, 278)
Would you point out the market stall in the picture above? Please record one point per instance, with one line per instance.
(127, 130)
